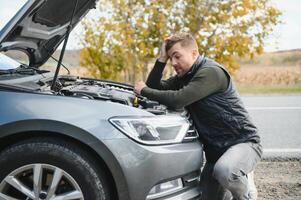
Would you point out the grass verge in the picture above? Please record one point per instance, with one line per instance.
(263, 89)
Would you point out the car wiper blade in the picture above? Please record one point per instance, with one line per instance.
(17, 71)
(23, 69)
(28, 68)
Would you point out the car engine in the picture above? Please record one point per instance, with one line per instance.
(109, 91)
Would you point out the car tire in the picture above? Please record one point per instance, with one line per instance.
(54, 167)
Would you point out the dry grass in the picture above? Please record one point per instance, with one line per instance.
(277, 72)
(268, 79)
(269, 76)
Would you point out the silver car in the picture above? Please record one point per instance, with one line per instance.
(72, 138)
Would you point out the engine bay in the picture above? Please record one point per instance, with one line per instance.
(108, 91)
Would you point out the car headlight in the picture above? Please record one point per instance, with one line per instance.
(153, 130)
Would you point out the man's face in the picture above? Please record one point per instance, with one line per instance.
(182, 58)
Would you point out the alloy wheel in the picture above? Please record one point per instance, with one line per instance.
(40, 182)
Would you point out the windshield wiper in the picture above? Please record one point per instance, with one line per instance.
(23, 69)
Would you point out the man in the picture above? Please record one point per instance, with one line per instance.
(205, 89)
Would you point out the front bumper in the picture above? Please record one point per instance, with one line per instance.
(146, 166)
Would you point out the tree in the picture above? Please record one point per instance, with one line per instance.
(127, 35)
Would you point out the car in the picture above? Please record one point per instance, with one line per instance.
(70, 137)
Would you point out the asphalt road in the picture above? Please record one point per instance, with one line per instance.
(278, 119)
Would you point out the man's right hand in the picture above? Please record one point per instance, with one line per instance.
(163, 54)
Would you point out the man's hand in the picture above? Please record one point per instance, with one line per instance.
(163, 54)
(139, 86)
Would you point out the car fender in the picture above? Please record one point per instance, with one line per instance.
(42, 127)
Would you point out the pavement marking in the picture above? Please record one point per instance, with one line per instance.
(274, 108)
(283, 150)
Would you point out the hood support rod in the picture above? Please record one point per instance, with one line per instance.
(69, 28)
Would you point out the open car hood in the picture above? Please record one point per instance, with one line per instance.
(40, 26)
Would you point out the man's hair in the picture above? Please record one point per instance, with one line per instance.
(185, 39)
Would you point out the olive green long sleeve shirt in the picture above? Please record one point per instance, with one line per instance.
(176, 93)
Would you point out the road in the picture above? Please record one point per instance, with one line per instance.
(278, 119)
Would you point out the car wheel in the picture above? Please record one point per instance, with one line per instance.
(50, 169)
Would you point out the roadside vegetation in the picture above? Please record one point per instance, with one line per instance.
(124, 40)
(277, 72)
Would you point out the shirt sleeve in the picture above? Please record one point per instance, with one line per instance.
(206, 81)
(154, 78)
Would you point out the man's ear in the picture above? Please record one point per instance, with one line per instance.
(195, 53)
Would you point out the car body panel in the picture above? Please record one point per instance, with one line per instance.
(154, 164)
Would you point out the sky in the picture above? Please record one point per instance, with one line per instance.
(285, 36)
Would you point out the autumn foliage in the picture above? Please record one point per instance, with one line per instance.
(122, 42)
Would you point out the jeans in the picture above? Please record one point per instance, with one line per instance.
(229, 173)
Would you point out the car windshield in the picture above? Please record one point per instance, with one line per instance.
(6, 63)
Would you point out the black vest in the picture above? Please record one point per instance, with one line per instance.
(221, 118)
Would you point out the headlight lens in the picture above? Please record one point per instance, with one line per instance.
(153, 130)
